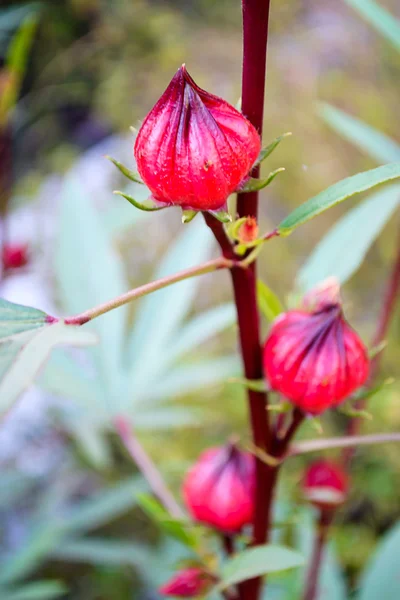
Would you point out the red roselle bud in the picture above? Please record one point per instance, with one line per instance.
(14, 256)
(219, 488)
(325, 485)
(248, 231)
(187, 583)
(315, 359)
(194, 149)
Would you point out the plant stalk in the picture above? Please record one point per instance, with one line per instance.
(147, 467)
(311, 588)
(148, 288)
(348, 441)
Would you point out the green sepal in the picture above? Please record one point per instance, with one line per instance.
(233, 229)
(149, 206)
(125, 171)
(241, 249)
(255, 385)
(188, 215)
(375, 350)
(265, 152)
(253, 185)
(351, 411)
(222, 215)
(280, 408)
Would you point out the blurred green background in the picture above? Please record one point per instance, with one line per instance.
(95, 68)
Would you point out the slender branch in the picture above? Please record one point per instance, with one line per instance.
(147, 467)
(321, 534)
(147, 288)
(342, 442)
(388, 306)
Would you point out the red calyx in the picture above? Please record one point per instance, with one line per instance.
(14, 256)
(219, 488)
(248, 231)
(325, 484)
(187, 583)
(315, 359)
(194, 149)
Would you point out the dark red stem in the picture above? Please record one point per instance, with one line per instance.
(321, 534)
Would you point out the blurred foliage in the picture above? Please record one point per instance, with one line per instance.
(95, 67)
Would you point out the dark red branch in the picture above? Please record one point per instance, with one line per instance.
(311, 585)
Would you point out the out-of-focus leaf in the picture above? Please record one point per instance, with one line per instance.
(166, 417)
(11, 17)
(101, 551)
(332, 584)
(93, 443)
(200, 329)
(120, 217)
(379, 146)
(43, 538)
(268, 301)
(39, 590)
(14, 485)
(381, 577)
(379, 18)
(257, 561)
(90, 272)
(337, 193)
(26, 339)
(343, 249)
(161, 313)
(104, 506)
(188, 378)
(173, 527)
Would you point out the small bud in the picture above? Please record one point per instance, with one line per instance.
(194, 149)
(14, 256)
(315, 359)
(219, 488)
(248, 231)
(187, 583)
(325, 485)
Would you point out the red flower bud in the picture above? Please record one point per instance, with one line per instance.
(187, 583)
(248, 231)
(194, 149)
(316, 360)
(219, 488)
(325, 484)
(14, 256)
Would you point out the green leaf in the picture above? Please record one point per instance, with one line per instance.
(148, 205)
(253, 185)
(39, 590)
(268, 301)
(89, 272)
(200, 329)
(176, 528)
(265, 152)
(381, 577)
(102, 551)
(104, 506)
(132, 175)
(343, 249)
(256, 385)
(379, 18)
(337, 193)
(379, 146)
(161, 314)
(26, 339)
(258, 561)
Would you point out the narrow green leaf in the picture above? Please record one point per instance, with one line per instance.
(380, 18)
(381, 577)
(102, 551)
(257, 561)
(188, 215)
(337, 193)
(268, 301)
(39, 590)
(256, 385)
(104, 506)
(379, 146)
(148, 206)
(132, 175)
(221, 215)
(265, 152)
(253, 185)
(343, 249)
(176, 528)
